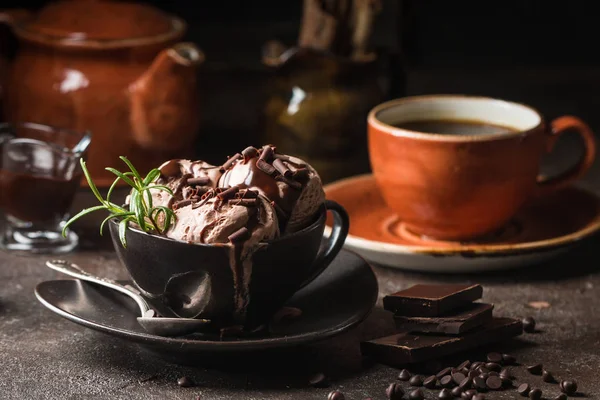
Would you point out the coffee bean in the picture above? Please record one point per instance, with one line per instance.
(458, 377)
(535, 394)
(468, 395)
(493, 366)
(479, 384)
(318, 380)
(494, 358)
(394, 391)
(524, 389)
(568, 387)
(184, 381)
(466, 383)
(336, 395)
(464, 364)
(404, 375)
(457, 391)
(535, 369)
(561, 396)
(473, 374)
(430, 382)
(416, 380)
(445, 394)
(416, 394)
(528, 324)
(505, 374)
(548, 377)
(447, 381)
(508, 359)
(444, 372)
(494, 382)
(479, 397)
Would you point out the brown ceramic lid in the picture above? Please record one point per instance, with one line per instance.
(99, 20)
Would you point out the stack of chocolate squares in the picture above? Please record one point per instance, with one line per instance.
(434, 321)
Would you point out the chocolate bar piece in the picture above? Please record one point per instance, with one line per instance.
(455, 323)
(431, 300)
(406, 348)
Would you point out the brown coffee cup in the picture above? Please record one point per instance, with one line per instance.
(474, 173)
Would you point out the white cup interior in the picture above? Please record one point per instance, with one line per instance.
(464, 108)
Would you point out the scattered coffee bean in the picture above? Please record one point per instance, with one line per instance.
(445, 394)
(494, 382)
(493, 366)
(457, 391)
(464, 364)
(505, 374)
(394, 391)
(479, 384)
(416, 380)
(535, 369)
(404, 375)
(479, 397)
(468, 395)
(568, 387)
(458, 377)
(494, 358)
(528, 324)
(535, 394)
(561, 396)
(430, 382)
(443, 373)
(548, 377)
(416, 394)
(336, 395)
(184, 381)
(318, 380)
(508, 359)
(465, 384)
(524, 389)
(447, 381)
(473, 374)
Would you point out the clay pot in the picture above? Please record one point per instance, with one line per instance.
(115, 68)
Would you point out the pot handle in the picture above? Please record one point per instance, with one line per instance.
(13, 16)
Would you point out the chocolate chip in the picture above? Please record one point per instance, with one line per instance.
(493, 366)
(505, 374)
(445, 394)
(394, 391)
(484, 376)
(404, 375)
(535, 394)
(508, 359)
(430, 382)
(479, 384)
(184, 381)
(524, 389)
(416, 380)
(457, 391)
(416, 394)
(479, 397)
(447, 381)
(475, 365)
(468, 395)
(458, 377)
(494, 358)
(483, 370)
(494, 373)
(494, 382)
(465, 384)
(464, 364)
(548, 377)
(336, 395)
(318, 380)
(535, 369)
(444, 372)
(561, 396)
(528, 324)
(473, 374)
(568, 387)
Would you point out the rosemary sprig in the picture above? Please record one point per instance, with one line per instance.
(141, 210)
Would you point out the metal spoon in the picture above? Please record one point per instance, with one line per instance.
(83, 144)
(160, 326)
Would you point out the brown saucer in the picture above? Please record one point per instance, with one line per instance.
(544, 227)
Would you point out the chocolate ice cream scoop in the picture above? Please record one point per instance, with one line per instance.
(293, 186)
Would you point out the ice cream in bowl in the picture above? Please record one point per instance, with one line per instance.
(229, 243)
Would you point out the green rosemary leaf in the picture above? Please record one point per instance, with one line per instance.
(132, 168)
(80, 214)
(152, 175)
(123, 230)
(168, 214)
(111, 216)
(159, 187)
(91, 184)
(114, 185)
(136, 206)
(122, 176)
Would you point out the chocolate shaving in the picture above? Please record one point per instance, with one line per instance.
(229, 193)
(244, 202)
(229, 163)
(267, 154)
(282, 168)
(210, 193)
(246, 194)
(301, 175)
(182, 203)
(282, 157)
(289, 182)
(181, 183)
(249, 152)
(195, 198)
(201, 181)
(266, 167)
(239, 236)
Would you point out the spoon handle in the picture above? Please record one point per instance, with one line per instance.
(73, 270)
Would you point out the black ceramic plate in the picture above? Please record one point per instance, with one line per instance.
(337, 300)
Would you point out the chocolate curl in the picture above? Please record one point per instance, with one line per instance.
(229, 163)
(246, 194)
(200, 181)
(267, 154)
(202, 190)
(209, 194)
(229, 193)
(248, 153)
(282, 157)
(239, 236)
(182, 203)
(195, 198)
(282, 168)
(289, 182)
(244, 202)
(189, 192)
(301, 175)
(266, 167)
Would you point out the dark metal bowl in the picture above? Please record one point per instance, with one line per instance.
(196, 280)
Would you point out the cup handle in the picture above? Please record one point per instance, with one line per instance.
(334, 243)
(557, 127)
